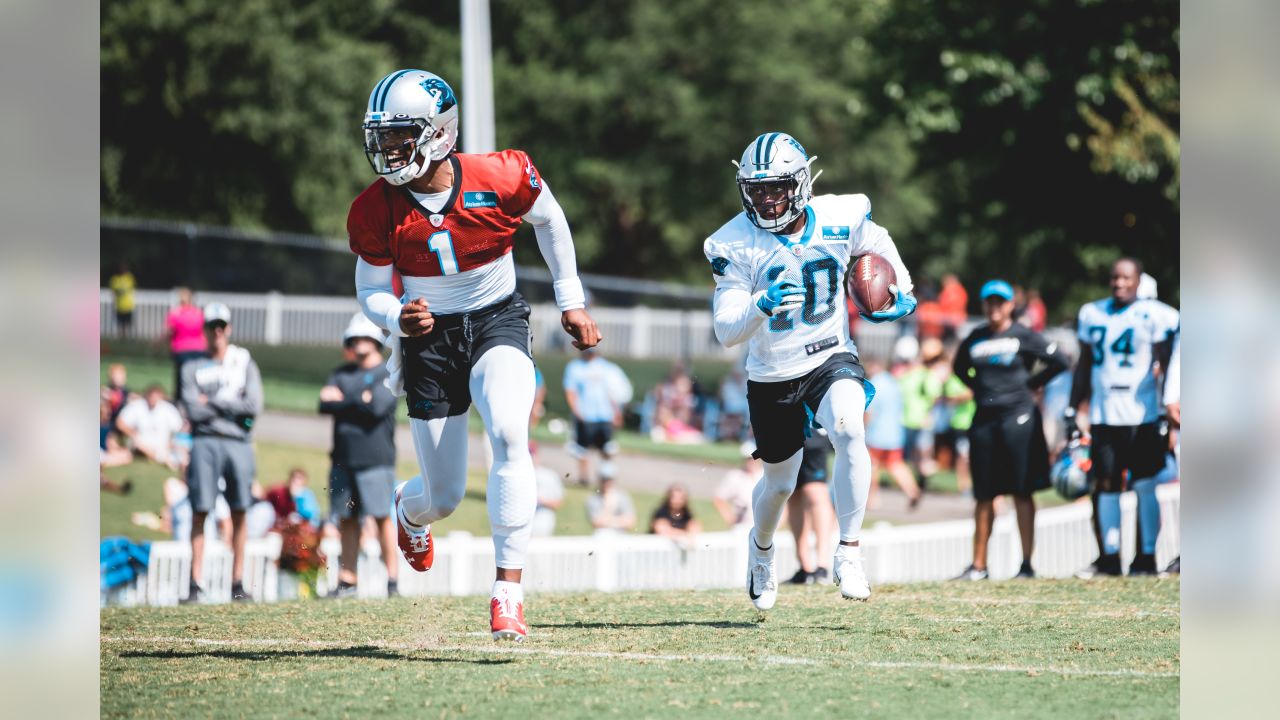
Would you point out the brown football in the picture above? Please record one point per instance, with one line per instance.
(868, 283)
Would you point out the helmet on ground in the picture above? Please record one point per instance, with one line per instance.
(362, 327)
(411, 121)
(774, 170)
(1070, 473)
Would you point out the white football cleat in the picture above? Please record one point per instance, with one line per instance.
(762, 578)
(848, 573)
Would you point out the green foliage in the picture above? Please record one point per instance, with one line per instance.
(1011, 139)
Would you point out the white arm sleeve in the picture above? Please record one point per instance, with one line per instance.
(377, 298)
(735, 315)
(556, 243)
(1173, 376)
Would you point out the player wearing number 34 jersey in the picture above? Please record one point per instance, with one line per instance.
(446, 223)
(779, 268)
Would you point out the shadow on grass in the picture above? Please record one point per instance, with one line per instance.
(719, 624)
(360, 651)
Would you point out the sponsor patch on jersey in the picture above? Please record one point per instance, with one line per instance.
(835, 232)
(479, 199)
(820, 345)
(718, 265)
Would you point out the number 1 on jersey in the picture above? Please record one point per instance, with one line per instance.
(442, 245)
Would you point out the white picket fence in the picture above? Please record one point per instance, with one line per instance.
(276, 319)
(615, 562)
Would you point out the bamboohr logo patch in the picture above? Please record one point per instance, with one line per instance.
(479, 199)
(835, 232)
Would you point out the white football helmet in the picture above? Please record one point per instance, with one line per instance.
(411, 121)
(772, 164)
(362, 327)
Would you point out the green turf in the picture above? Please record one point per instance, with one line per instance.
(1069, 649)
(275, 460)
(292, 376)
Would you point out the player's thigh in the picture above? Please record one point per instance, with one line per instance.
(203, 472)
(1107, 446)
(503, 383)
(342, 493)
(778, 425)
(373, 487)
(239, 467)
(841, 407)
(435, 374)
(1147, 452)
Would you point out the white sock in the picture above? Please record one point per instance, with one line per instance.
(770, 497)
(504, 589)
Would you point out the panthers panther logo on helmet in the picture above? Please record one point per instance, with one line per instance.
(410, 122)
(774, 180)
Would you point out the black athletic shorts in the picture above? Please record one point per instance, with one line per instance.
(813, 464)
(598, 435)
(1008, 454)
(782, 412)
(1140, 449)
(437, 366)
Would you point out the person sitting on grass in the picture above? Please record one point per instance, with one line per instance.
(674, 518)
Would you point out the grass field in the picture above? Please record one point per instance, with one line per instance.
(275, 460)
(1105, 648)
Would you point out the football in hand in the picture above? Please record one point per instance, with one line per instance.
(868, 283)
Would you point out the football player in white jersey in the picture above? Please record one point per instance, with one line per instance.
(779, 268)
(1123, 340)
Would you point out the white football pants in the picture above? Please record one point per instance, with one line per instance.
(502, 389)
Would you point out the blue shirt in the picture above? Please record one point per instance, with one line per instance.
(306, 504)
(599, 385)
(885, 431)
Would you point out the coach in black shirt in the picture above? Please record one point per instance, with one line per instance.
(364, 450)
(1007, 450)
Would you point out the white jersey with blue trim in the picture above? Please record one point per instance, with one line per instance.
(1120, 343)
(743, 257)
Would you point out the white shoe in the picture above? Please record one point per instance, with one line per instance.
(762, 578)
(848, 574)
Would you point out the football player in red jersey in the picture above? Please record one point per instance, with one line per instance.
(446, 222)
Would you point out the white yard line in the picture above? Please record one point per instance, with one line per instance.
(1149, 609)
(637, 656)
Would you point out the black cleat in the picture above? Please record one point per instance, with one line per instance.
(1105, 565)
(239, 594)
(1025, 572)
(195, 596)
(801, 578)
(1143, 565)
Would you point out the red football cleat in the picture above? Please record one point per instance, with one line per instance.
(416, 545)
(506, 619)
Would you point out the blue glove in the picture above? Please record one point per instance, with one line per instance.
(781, 296)
(903, 305)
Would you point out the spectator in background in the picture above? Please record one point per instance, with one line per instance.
(222, 396)
(596, 391)
(177, 516)
(885, 434)
(810, 512)
(550, 497)
(734, 493)
(185, 325)
(674, 518)
(1008, 448)
(151, 424)
(674, 404)
(363, 474)
(921, 387)
(953, 306)
(1036, 314)
(122, 289)
(610, 508)
(955, 436)
(733, 406)
(116, 393)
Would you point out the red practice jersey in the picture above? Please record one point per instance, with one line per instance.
(490, 195)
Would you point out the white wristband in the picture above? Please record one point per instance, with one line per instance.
(569, 293)
(393, 321)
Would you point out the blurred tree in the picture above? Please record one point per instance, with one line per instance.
(1034, 140)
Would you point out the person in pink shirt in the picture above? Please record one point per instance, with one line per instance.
(186, 333)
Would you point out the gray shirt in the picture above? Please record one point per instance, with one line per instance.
(233, 392)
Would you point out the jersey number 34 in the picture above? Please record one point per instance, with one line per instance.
(1122, 346)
